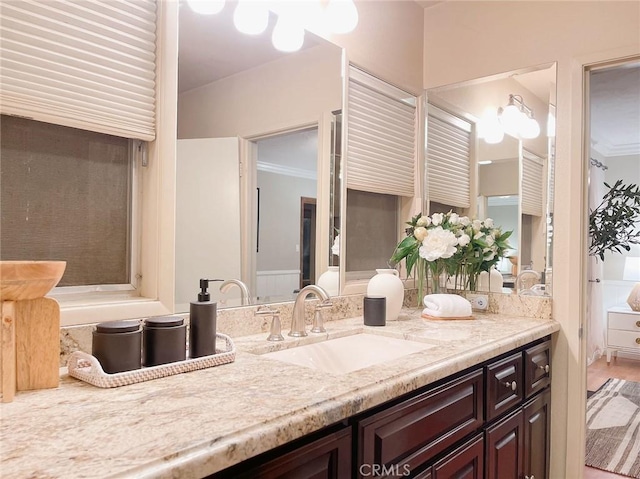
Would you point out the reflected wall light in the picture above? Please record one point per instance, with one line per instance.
(515, 119)
(252, 17)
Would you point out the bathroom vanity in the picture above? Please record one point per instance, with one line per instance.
(425, 414)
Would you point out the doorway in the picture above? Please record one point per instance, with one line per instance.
(613, 95)
(308, 241)
(286, 176)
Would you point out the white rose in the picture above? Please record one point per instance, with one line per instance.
(454, 219)
(439, 243)
(464, 240)
(465, 221)
(476, 225)
(490, 240)
(478, 235)
(420, 233)
(423, 221)
(488, 223)
(437, 218)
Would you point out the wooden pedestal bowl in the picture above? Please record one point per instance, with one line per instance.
(21, 280)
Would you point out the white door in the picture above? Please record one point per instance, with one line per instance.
(207, 216)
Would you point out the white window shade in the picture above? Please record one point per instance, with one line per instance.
(532, 184)
(381, 136)
(83, 64)
(448, 158)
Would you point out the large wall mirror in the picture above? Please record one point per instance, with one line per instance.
(511, 178)
(255, 147)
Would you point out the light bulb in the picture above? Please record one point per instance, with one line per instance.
(287, 35)
(342, 16)
(206, 7)
(251, 17)
(511, 119)
(529, 129)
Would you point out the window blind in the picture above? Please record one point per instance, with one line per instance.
(381, 136)
(448, 158)
(79, 63)
(531, 188)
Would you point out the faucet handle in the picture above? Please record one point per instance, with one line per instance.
(276, 327)
(318, 320)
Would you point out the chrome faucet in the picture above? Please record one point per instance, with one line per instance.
(275, 333)
(245, 298)
(522, 277)
(298, 328)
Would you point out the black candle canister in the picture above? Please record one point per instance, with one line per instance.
(164, 340)
(375, 310)
(117, 345)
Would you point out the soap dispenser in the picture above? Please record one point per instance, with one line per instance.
(202, 323)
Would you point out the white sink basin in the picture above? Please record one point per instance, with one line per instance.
(348, 353)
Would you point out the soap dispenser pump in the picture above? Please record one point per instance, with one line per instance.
(202, 323)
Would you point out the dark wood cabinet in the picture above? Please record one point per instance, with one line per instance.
(466, 462)
(504, 385)
(491, 421)
(505, 448)
(414, 431)
(328, 457)
(537, 368)
(537, 423)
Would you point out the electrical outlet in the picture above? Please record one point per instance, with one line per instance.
(478, 301)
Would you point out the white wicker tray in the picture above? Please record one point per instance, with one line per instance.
(87, 368)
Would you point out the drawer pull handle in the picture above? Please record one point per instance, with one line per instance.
(637, 340)
(638, 324)
(545, 368)
(529, 477)
(513, 385)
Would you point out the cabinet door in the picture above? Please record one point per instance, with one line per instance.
(326, 458)
(504, 385)
(537, 416)
(466, 462)
(537, 368)
(414, 431)
(505, 443)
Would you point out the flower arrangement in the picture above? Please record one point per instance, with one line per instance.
(451, 246)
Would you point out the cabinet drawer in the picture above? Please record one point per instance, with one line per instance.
(537, 368)
(623, 339)
(504, 385)
(626, 322)
(414, 431)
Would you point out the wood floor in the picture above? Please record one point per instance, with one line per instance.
(597, 374)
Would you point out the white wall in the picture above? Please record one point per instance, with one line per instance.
(465, 40)
(280, 220)
(292, 91)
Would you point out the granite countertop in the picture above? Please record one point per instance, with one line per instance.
(197, 423)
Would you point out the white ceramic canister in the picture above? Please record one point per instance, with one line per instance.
(330, 281)
(387, 283)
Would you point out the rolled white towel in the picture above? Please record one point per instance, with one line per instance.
(446, 306)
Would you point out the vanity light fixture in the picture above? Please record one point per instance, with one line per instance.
(517, 119)
(321, 16)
